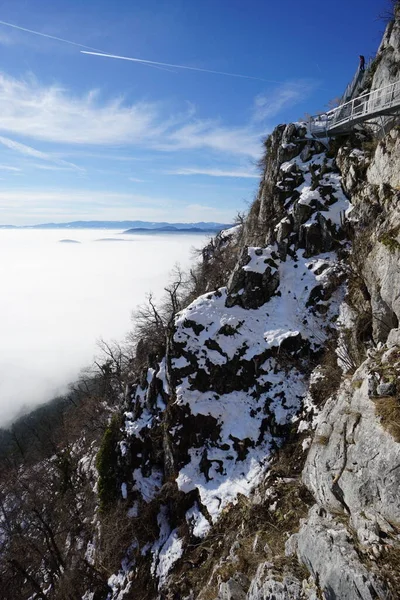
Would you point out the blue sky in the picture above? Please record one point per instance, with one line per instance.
(87, 137)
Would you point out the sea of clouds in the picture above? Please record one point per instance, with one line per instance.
(58, 299)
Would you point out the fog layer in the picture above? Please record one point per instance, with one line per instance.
(58, 299)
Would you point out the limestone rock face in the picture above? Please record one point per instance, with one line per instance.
(208, 424)
(387, 68)
(205, 420)
(371, 178)
(344, 469)
(352, 470)
(327, 549)
(233, 589)
(265, 586)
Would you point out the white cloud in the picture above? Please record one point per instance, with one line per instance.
(8, 168)
(215, 172)
(210, 134)
(287, 95)
(32, 152)
(52, 167)
(72, 303)
(53, 114)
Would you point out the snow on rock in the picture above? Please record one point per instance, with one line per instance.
(134, 426)
(217, 488)
(232, 231)
(200, 525)
(167, 549)
(259, 258)
(147, 486)
(247, 419)
(204, 421)
(180, 363)
(90, 553)
(120, 585)
(171, 551)
(162, 376)
(242, 348)
(124, 491)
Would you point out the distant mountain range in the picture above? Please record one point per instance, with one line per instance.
(176, 229)
(129, 226)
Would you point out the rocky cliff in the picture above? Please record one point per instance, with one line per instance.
(254, 453)
(264, 444)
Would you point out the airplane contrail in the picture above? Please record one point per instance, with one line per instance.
(161, 64)
(58, 39)
(150, 63)
(46, 35)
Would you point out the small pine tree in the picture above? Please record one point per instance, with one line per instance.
(107, 465)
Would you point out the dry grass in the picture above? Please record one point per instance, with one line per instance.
(322, 440)
(257, 532)
(388, 409)
(260, 535)
(386, 567)
(389, 566)
(332, 375)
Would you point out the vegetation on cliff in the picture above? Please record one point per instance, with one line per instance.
(244, 442)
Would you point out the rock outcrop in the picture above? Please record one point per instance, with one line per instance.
(292, 363)
(260, 453)
(205, 423)
(255, 453)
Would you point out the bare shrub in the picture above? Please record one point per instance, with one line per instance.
(388, 14)
(151, 321)
(117, 536)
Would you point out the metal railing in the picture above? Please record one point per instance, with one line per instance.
(356, 82)
(359, 109)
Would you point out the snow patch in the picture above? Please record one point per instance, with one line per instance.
(124, 491)
(261, 259)
(147, 486)
(171, 551)
(180, 363)
(198, 522)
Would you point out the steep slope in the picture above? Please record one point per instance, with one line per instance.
(354, 475)
(250, 373)
(250, 448)
(205, 422)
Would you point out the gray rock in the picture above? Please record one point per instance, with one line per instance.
(250, 289)
(269, 586)
(371, 383)
(356, 470)
(231, 590)
(385, 389)
(326, 548)
(307, 152)
(393, 338)
(283, 230)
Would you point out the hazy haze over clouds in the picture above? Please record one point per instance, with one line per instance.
(58, 299)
